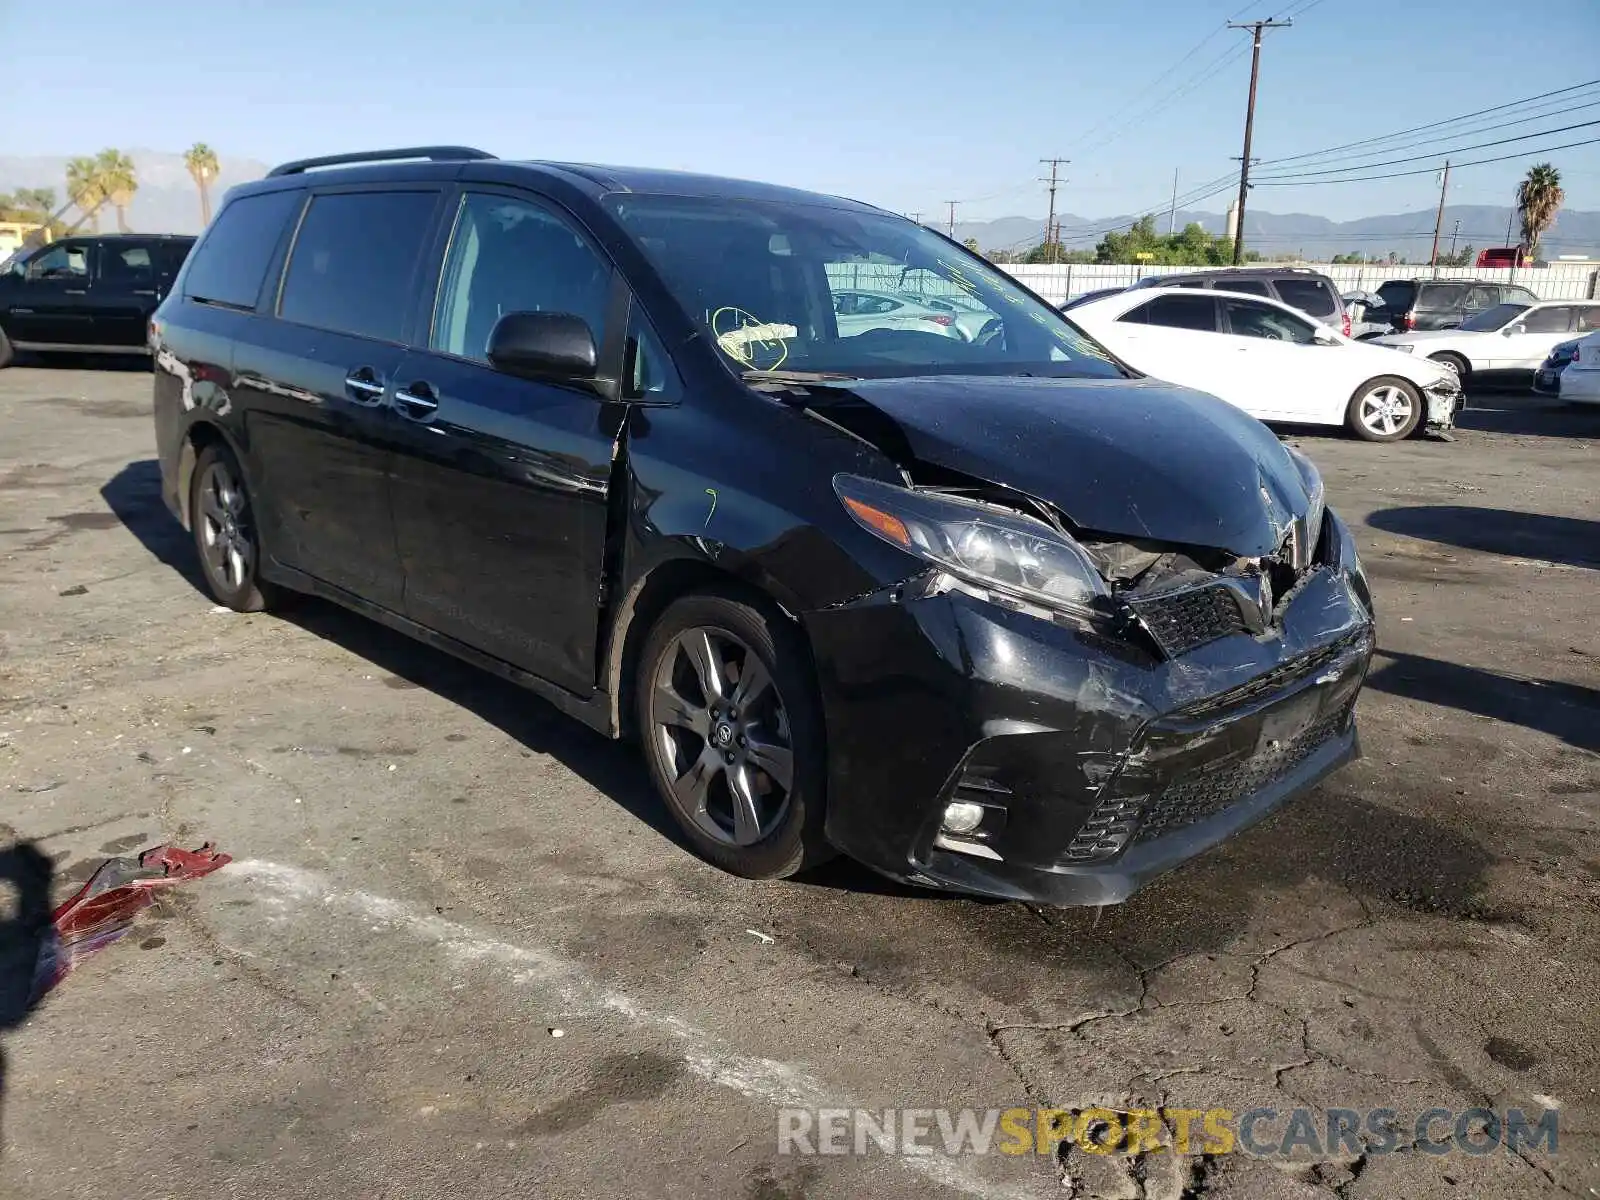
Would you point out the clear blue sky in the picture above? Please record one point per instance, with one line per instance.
(904, 104)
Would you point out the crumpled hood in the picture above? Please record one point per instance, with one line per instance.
(1129, 458)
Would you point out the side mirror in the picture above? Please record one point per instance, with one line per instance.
(1512, 330)
(1324, 337)
(541, 345)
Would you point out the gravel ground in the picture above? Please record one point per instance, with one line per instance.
(436, 873)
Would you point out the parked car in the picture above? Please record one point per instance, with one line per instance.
(1097, 294)
(1579, 381)
(1547, 379)
(87, 295)
(1508, 339)
(1419, 305)
(856, 312)
(1271, 361)
(926, 601)
(1299, 287)
(971, 319)
(1357, 306)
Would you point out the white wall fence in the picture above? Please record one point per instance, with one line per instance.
(1559, 281)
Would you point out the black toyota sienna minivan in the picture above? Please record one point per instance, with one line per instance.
(869, 548)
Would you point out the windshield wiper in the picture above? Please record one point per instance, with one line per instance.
(796, 376)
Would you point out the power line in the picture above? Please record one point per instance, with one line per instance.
(1430, 170)
(1431, 124)
(1395, 162)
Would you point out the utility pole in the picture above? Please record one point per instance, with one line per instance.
(1453, 233)
(1172, 215)
(951, 227)
(1050, 221)
(1438, 220)
(916, 216)
(1249, 123)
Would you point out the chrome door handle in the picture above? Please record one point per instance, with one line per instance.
(364, 386)
(416, 399)
(76, 291)
(144, 291)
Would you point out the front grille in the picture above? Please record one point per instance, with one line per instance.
(1200, 796)
(1184, 620)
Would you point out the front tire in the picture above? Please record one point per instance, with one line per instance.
(7, 351)
(729, 721)
(1463, 368)
(1385, 409)
(226, 535)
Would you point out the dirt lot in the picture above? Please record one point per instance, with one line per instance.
(437, 872)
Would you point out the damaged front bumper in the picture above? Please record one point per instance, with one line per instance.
(1096, 762)
(1445, 400)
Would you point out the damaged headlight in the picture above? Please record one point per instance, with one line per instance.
(1403, 347)
(990, 546)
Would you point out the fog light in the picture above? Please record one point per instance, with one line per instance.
(962, 816)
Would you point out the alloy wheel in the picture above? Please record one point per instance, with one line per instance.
(1385, 410)
(722, 734)
(227, 537)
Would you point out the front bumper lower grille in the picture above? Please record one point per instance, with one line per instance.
(1183, 620)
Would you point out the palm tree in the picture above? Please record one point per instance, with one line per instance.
(119, 180)
(85, 189)
(201, 160)
(1539, 197)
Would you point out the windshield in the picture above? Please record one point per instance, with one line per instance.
(801, 288)
(1493, 318)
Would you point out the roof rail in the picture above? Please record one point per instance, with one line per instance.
(431, 153)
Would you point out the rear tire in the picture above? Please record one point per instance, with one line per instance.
(226, 535)
(732, 733)
(7, 351)
(1385, 409)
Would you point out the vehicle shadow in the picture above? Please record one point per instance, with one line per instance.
(134, 495)
(1571, 541)
(1567, 711)
(611, 768)
(25, 878)
(1492, 410)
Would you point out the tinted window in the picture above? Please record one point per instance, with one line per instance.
(170, 256)
(511, 256)
(231, 262)
(1262, 321)
(1514, 295)
(1253, 286)
(1549, 320)
(60, 262)
(1442, 295)
(1178, 312)
(1397, 295)
(353, 258)
(1482, 297)
(125, 264)
(1494, 318)
(1308, 295)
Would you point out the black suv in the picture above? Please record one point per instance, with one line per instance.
(988, 614)
(1299, 287)
(1416, 305)
(87, 294)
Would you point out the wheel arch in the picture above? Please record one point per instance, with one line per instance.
(200, 434)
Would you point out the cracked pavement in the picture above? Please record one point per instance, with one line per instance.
(438, 872)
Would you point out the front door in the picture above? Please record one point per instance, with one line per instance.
(500, 485)
(47, 305)
(1277, 366)
(318, 381)
(1531, 337)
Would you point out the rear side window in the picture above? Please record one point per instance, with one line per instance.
(125, 264)
(1177, 312)
(170, 256)
(1308, 295)
(352, 263)
(1518, 295)
(1442, 295)
(230, 264)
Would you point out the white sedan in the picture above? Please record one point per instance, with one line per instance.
(1580, 382)
(1272, 361)
(1507, 337)
(860, 311)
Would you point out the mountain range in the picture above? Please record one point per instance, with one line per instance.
(167, 202)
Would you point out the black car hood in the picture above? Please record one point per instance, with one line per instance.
(1128, 458)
